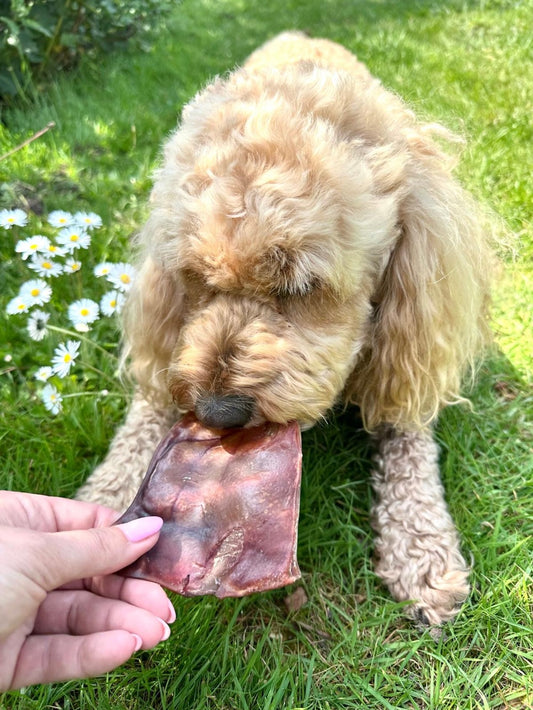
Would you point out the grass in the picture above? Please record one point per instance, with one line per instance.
(467, 64)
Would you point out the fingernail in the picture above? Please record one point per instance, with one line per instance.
(166, 630)
(172, 618)
(138, 642)
(141, 528)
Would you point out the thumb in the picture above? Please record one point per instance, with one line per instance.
(77, 554)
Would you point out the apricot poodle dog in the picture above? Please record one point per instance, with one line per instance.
(307, 245)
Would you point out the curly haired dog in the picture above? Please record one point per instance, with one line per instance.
(307, 244)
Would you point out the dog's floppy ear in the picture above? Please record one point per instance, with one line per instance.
(429, 319)
(151, 323)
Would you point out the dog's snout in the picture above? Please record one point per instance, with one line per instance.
(225, 411)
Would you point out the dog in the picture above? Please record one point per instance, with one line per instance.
(307, 244)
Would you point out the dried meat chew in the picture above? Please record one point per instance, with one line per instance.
(229, 500)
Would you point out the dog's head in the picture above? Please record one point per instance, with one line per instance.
(298, 227)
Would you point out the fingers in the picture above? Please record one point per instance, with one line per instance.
(80, 613)
(76, 554)
(51, 514)
(44, 659)
(139, 592)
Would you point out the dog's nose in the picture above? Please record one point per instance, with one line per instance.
(224, 411)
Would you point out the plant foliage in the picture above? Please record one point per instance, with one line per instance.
(38, 37)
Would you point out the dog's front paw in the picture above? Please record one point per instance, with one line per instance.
(435, 581)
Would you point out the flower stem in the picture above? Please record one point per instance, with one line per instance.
(80, 336)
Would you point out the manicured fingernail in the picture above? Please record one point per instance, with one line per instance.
(172, 618)
(138, 642)
(141, 528)
(166, 630)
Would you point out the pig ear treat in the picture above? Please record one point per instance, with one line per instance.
(230, 502)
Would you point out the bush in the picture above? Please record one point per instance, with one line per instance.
(39, 36)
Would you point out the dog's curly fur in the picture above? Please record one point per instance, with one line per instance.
(307, 244)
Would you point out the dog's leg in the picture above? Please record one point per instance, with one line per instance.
(116, 480)
(417, 545)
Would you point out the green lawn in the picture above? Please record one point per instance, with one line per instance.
(466, 64)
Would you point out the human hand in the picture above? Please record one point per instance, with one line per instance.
(63, 614)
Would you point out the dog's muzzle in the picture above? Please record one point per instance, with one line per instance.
(224, 411)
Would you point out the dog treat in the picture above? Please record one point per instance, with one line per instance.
(230, 502)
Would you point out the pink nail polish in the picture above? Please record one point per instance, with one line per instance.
(141, 528)
(138, 642)
(166, 630)
(172, 618)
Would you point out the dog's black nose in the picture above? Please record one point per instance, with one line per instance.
(224, 411)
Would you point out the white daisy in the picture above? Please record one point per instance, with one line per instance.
(88, 220)
(64, 357)
(121, 276)
(36, 291)
(51, 249)
(12, 218)
(112, 302)
(103, 269)
(58, 218)
(71, 266)
(74, 238)
(43, 373)
(83, 312)
(45, 266)
(52, 399)
(19, 304)
(32, 245)
(37, 325)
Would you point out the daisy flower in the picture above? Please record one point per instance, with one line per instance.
(44, 266)
(11, 218)
(121, 276)
(83, 312)
(103, 269)
(43, 373)
(52, 249)
(37, 325)
(111, 302)
(71, 266)
(52, 400)
(74, 238)
(32, 245)
(88, 220)
(19, 304)
(64, 357)
(58, 219)
(36, 291)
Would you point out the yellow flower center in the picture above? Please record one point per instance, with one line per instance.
(47, 265)
(112, 303)
(52, 248)
(74, 237)
(125, 278)
(67, 358)
(84, 312)
(21, 306)
(35, 291)
(53, 398)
